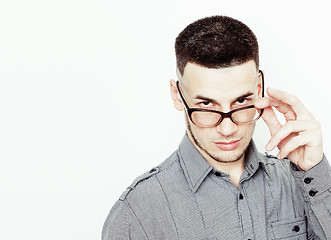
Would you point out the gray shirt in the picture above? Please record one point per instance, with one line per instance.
(186, 198)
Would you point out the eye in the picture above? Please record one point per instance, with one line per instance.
(242, 101)
(205, 104)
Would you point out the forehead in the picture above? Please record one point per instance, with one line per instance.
(221, 84)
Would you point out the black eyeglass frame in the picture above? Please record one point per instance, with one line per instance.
(223, 115)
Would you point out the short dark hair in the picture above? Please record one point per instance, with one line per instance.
(216, 42)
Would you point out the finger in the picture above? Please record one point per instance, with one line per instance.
(282, 107)
(291, 100)
(286, 130)
(293, 144)
(271, 120)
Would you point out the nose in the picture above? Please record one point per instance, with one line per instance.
(227, 127)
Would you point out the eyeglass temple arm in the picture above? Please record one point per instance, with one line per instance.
(181, 96)
(260, 71)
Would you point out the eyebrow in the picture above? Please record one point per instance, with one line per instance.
(199, 97)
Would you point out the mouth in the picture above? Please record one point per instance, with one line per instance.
(228, 146)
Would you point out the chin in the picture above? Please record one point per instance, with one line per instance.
(227, 156)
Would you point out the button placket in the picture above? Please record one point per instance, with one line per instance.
(245, 214)
(307, 180)
(312, 193)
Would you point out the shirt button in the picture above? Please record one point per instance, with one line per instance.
(312, 193)
(241, 196)
(218, 174)
(307, 180)
(296, 228)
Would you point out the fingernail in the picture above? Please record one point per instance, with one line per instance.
(278, 156)
(273, 89)
(268, 147)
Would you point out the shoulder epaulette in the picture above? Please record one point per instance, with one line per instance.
(139, 179)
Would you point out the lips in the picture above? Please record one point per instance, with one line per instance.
(228, 146)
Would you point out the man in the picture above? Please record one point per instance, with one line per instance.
(216, 185)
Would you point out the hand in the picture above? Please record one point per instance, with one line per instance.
(300, 139)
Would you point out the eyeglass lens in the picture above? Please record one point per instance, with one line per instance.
(212, 118)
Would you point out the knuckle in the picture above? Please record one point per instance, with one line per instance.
(290, 125)
(308, 115)
(295, 99)
(292, 145)
(313, 124)
(317, 124)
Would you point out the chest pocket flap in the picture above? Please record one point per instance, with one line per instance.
(290, 229)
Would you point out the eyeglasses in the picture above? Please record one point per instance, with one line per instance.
(212, 118)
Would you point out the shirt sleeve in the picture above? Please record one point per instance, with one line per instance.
(122, 224)
(315, 185)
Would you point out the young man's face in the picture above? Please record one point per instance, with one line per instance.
(221, 90)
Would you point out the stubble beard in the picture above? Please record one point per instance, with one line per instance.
(228, 159)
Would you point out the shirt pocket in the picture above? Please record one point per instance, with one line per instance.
(292, 229)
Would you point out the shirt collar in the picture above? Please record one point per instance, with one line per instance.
(253, 160)
(196, 168)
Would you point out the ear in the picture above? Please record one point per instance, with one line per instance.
(175, 96)
(260, 85)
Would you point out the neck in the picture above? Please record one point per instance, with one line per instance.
(234, 169)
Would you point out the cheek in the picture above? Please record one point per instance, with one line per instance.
(198, 131)
(247, 129)
(202, 134)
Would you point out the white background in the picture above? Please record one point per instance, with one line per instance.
(85, 104)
